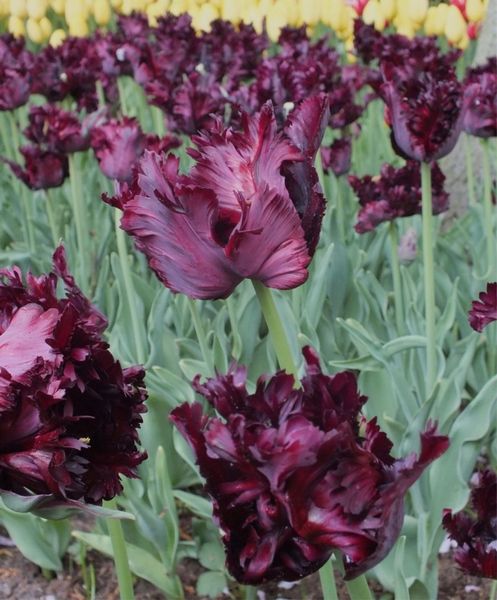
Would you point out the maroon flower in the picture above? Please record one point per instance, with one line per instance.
(118, 145)
(43, 168)
(58, 130)
(71, 69)
(476, 536)
(337, 157)
(251, 206)
(395, 193)
(481, 97)
(194, 102)
(15, 72)
(296, 474)
(69, 413)
(425, 111)
(484, 311)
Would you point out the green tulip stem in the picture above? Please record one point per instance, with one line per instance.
(489, 213)
(130, 289)
(27, 205)
(52, 221)
(397, 285)
(327, 578)
(469, 171)
(80, 219)
(201, 335)
(429, 277)
(250, 592)
(276, 329)
(124, 577)
(122, 96)
(358, 589)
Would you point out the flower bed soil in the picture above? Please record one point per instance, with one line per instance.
(21, 580)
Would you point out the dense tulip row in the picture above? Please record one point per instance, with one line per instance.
(230, 188)
(457, 20)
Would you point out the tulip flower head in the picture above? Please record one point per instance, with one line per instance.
(295, 474)
(15, 72)
(395, 193)
(476, 536)
(43, 169)
(251, 206)
(58, 130)
(481, 93)
(337, 157)
(425, 110)
(484, 311)
(69, 413)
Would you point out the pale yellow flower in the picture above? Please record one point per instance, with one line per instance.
(102, 12)
(455, 25)
(57, 37)
(36, 9)
(16, 26)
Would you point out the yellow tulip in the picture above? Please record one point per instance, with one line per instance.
(75, 11)
(463, 43)
(46, 27)
(230, 11)
(416, 10)
(16, 26)
(203, 17)
(102, 12)
(430, 24)
(34, 31)
(58, 6)
(57, 37)
(116, 4)
(36, 9)
(388, 8)
(178, 6)
(78, 28)
(18, 9)
(373, 15)
(455, 26)
(310, 11)
(276, 19)
(475, 10)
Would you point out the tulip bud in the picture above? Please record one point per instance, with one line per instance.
(310, 11)
(373, 15)
(388, 8)
(36, 9)
(34, 31)
(230, 11)
(16, 26)
(58, 6)
(475, 10)
(102, 12)
(416, 10)
(455, 26)
(204, 16)
(78, 28)
(57, 37)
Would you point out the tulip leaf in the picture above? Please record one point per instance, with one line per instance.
(400, 585)
(170, 515)
(142, 563)
(211, 584)
(197, 504)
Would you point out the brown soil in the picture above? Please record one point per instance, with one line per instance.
(21, 580)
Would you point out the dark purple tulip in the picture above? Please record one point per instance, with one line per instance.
(71, 69)
(337, 157)
(15, 72)
(425, 111)
(58, 130)
(395, 193)
(481, 97)
(118, 145)
(43, 169)
(484, 311)
(69, 413)
(250, 207)
(195, 102)
(295, 474)
(476, 534)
